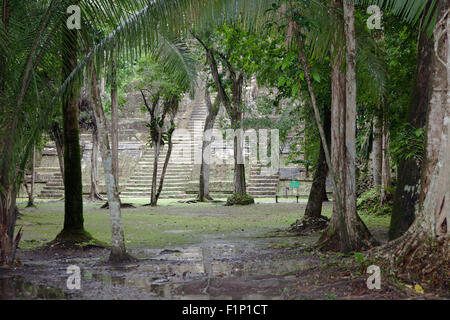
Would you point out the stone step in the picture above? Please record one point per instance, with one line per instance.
(262, 193)
(174, 178)
(258, 189)
(148, 194)
(166, 183)
(262, 177)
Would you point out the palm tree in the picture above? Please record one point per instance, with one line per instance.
(27, 46)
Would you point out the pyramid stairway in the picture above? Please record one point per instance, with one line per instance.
(54, 188)
(180, 166)
(262, 183)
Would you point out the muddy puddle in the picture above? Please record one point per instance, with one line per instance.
(211, 270)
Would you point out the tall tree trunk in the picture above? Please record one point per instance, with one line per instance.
(118, 250)
(386, 165)
(95, 194)
(59, 144)
(203, 194)
(377, 154)
(166, 160)
(318, 188)
(236, 122)
(350, 234)
(73, 188)
(424, 248)
(409, 171)
(157, 146)
(232, 107)
(33, 176)
(114, 119)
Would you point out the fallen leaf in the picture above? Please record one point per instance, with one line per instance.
(418, 289)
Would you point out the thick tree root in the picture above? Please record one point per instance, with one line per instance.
(120, 257)
(360, 238)
(74, 239)
(415, 255)
(309, 225)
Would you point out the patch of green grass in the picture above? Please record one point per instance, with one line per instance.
(171, 223)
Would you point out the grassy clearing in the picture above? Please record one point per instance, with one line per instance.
(171, 223)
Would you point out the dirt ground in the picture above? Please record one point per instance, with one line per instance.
(247, 259)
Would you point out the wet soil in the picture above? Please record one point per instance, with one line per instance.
(255, 264)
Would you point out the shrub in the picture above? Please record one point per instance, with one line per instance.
(240, 199)
(370, 203)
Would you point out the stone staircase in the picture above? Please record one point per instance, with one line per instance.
(177, 175)
(54, 188)
(262, 183)
(180, 166)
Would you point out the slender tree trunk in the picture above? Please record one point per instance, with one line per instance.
(377, 151)
(95, 194)
(232, 107)
(114, 119)
(157, 146)
(239, 166)
(409, 171)
(206, 150)
(346, 231)
(33, 175)
(73, 187)
(318, 188)
(58, 138)
(386, 168)
(166, 160)
(118, 250)
(236, 121)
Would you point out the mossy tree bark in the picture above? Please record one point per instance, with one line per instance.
(425, 248)
(408, 176)
(73, 189)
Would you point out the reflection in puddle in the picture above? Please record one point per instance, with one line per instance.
(214, 271)
(17, 288)
(186, 273)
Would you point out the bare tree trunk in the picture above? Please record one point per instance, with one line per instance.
(157, 146)
(33, 175)
(166, 160)
(239, 166)
(377, 151)
(350, 234)
(114, 120)
(118, 250)
(206, 150)
(318, 188)
(232, 107)
(95, 195)
(59, 144)
(386, 168)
